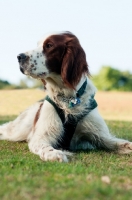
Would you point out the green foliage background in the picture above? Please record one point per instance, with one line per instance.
(23, 84)
(109, 78)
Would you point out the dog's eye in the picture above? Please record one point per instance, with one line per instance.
(48, 45)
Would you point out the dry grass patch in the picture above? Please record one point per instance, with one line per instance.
(112, 105)
(115, 105)
(12, 102)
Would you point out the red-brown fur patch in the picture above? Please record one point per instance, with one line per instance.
(66, 57)
(37, 115)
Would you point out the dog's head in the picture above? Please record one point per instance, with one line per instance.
(58, 53)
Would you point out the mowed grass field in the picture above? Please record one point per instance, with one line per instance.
(95, 175)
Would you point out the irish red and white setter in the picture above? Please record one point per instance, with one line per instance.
(68, 119)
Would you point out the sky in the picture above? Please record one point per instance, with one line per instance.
(104, 28)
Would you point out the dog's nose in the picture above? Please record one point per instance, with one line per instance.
(22, 57)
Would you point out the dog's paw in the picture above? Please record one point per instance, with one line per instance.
(125, 148)
(51, 154)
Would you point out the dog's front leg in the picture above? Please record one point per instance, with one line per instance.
(45, 135)
(47, 152)
(96, 132)
(104, 139)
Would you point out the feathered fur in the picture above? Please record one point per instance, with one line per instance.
(60, 62)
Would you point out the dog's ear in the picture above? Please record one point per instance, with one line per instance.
(74, 63)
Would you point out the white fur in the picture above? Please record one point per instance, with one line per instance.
(91, 132)
(39, 67)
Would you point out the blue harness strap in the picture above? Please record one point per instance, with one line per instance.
(70, 123)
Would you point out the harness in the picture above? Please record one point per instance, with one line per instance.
(70, 123)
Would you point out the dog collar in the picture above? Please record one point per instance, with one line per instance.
(73, 101)
(80, 92)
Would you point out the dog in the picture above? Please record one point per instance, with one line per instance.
(67, 120)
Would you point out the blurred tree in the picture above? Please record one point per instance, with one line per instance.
(113, 79)
(25, 83)
(28, 82)
(7, 85)
(4, 84)
(107, 79)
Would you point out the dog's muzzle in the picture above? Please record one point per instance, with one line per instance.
(22, 58)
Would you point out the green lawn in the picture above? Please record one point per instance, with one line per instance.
(24, 176)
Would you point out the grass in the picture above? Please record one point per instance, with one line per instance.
(24, 176)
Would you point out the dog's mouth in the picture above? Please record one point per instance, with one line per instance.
(29, 72)
(39, 76)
